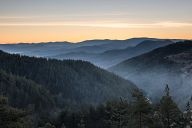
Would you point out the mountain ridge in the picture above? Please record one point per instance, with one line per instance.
(159, 67)
(70, 82)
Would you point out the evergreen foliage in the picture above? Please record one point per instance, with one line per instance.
(24, 93)
(70, 82)
(53, 87)
(11, 117)
(142, 108)
(169, 111)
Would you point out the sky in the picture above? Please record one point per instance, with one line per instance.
(77, 20)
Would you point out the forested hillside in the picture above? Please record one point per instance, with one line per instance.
(49, 93)
(170, 64)
(140, 113)
(22, 92)
(70, 82)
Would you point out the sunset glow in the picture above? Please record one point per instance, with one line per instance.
(41, 21)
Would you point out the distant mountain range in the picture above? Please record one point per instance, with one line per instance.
(149, 63)
(54, 48)
(171, 65)
(103, 53)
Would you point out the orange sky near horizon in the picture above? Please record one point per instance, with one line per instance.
(31, 21)
(32, 34)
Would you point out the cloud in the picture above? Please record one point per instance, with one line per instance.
(104, 24)
(174, 24)
(72, 15)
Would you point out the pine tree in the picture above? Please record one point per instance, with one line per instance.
(82, 122)
(169, 111)
(188, 114)
(141, 108)
(48, 125)
(118, 114)
(11, 117)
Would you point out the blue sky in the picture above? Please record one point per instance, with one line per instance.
(146, 10)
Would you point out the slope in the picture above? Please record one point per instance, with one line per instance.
(167, 65)
(71, 82)
(23, 92)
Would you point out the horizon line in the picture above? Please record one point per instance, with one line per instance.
(41, 42)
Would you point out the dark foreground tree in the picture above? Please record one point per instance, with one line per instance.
(11, 117)
(188, 115)
(141, 109)
(118, 114)
(169, 111)
(48, 125)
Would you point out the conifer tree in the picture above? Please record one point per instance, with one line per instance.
(188, 115)
(48, 125)
(141, 108)
(169, 111)
(82, 122)
(11, 117)
(118, 114)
